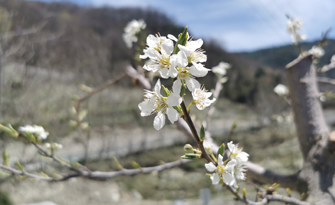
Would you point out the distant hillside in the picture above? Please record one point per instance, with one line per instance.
(88, 41)
(279, 57)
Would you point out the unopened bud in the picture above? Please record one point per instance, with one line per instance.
(188, 147)
(208, 148)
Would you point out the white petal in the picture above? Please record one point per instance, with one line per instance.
(173, 100)
(243, 156)
(220, 160)
(152, 41)
(228, 179)
(231, 146)
(164, 72)
(182, 59)
(176, 87)
(193, 45)
(198, 70)
(185, 50)
(215, 178)
(210, 167)
(158, 86)
(152, 53)
(192, 84)
(172, 114)
(146, 108)
(173, 72)
(231, 164)
(172, 37)
(159, 121)
(167, 47)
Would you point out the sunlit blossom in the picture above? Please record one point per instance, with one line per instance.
(237, 152)
(221, 170)
(201, 98)
(156, 103)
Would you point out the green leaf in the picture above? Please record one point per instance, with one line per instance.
(221, 150)
(202, 133)
(5, 157)
(166, 91)
(181, 40)
(18, 164)
(135, 165)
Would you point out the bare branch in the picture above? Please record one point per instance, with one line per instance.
(326, 80)
(99, 89)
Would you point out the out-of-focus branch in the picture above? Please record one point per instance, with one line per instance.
(23, 32)
(97, 174)
(267, 198)
(326, 80)
(99, 89)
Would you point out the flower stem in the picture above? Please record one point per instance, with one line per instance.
(195, 134)
(189, 106)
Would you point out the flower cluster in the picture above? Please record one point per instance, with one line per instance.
(131, 30)
(293, 26)
(36, 130)
(230, 170)
(221, 68)
(183, 63)
(316, 51)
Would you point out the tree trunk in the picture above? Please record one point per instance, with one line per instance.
(317, 173)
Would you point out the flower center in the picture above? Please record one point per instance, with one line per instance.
(164, 62)
(183, 73)
(161, 105)
(220, 169)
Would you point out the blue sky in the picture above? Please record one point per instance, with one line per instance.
(239, 25)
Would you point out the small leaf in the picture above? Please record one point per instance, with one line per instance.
(5, 157)
(182, 39)
(18, 164)
(166, 91)
(221, 150)
(135, 165)
(86, 88)
(288, 190)
(202, 133)
(117, 163)
(244, 193)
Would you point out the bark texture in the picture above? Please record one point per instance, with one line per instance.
(317, 174)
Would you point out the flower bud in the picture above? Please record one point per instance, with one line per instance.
(208, 148)
(188, 147)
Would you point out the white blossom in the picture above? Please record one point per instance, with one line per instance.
(159, 54)
(237, 153)
(201, 98)
(179, 67)
(221, 68)
(156, 103)
(281, 90)
(224, 171)
(316, 51)
(293, 25)
(36, 130)
(133, 27)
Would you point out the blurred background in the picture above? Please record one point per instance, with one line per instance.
(50, 49)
